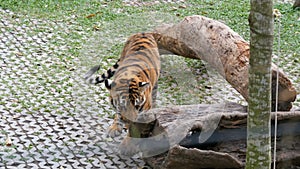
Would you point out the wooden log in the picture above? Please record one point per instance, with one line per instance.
(199, 37)
(183, 158)
(211, 136)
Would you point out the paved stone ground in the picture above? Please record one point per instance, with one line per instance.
(44, 111)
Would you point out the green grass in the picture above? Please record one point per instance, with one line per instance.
(233, 13)
(107, 23)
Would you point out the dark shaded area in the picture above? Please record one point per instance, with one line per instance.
(285, 128)
(296, 4)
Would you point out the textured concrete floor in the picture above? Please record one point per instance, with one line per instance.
(45, 108)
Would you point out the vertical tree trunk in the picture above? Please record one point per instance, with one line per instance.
(258, 125)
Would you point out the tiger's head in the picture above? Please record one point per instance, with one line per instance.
(129, 97)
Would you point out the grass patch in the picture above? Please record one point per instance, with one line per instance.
(100, 27)
(233, 13)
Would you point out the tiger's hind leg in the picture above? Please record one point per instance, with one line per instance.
(116, 128)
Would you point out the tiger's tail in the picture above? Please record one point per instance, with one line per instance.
(100, 78)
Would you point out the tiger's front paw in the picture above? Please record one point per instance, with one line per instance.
(114, 130)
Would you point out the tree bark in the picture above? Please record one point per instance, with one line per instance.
(259, 121)
(198, 37)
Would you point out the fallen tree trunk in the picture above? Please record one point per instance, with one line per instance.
(198, 37)
(210, 136)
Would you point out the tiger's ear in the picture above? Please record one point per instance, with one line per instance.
(109, 83)
(143, 86)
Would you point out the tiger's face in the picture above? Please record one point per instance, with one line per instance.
(129, 100)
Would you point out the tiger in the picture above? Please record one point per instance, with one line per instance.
(134, 87)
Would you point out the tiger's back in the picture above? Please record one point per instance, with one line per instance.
(137, 75)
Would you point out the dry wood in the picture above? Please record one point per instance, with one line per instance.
(212, 136)
(183, 158)
(198, 37)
